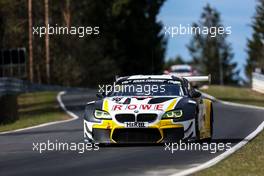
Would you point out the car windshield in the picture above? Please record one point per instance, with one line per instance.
(181, 71)
(145, 88)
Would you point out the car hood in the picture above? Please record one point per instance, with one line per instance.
(134, 105)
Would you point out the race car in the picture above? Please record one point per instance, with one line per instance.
(182, 70)
(168, 110)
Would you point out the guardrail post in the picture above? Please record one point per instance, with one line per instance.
(8, 108)
(9, 90)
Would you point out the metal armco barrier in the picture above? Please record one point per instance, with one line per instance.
(11, 86)
(258, 82)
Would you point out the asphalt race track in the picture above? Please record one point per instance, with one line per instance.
(232, 124)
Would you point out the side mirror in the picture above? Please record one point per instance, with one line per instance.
(101, 95)
(195, 94)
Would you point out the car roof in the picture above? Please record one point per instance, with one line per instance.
(175, 67)
(150, 77)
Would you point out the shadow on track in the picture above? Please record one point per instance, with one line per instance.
(42, 132)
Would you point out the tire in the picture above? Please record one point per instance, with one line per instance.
(212, 120)
(197, 131)
(209, 139)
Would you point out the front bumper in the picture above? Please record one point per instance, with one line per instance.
(164, 131)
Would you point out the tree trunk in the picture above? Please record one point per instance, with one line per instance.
(30, 43)
(46, 2)
(67, 14)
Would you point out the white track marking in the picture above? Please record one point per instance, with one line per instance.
(224, 155)
(231, 103)
(74, 117)
(241, 105)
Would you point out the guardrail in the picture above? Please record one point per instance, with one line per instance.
(258, 82)
(11, 86)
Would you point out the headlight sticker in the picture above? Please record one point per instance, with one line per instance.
(101, 114)
(173, 114)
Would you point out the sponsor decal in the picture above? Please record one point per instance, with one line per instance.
(147, 107)
(136, 124)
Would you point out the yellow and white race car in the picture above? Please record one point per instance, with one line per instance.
(149, 109)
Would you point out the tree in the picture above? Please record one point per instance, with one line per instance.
(130, 39)
(255, 45)
(139, 44)
(47, 49)
(176, 61)
(30, 42)
(210, 51)
(2, 27)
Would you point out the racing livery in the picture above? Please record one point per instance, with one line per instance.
(170, 112)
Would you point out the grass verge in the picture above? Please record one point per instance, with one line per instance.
(250, 159)
(36, 108)
(236, 95)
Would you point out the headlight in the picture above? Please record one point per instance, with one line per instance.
(101, 114)
(172, 114)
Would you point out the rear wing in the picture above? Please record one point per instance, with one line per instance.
(198, 78)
